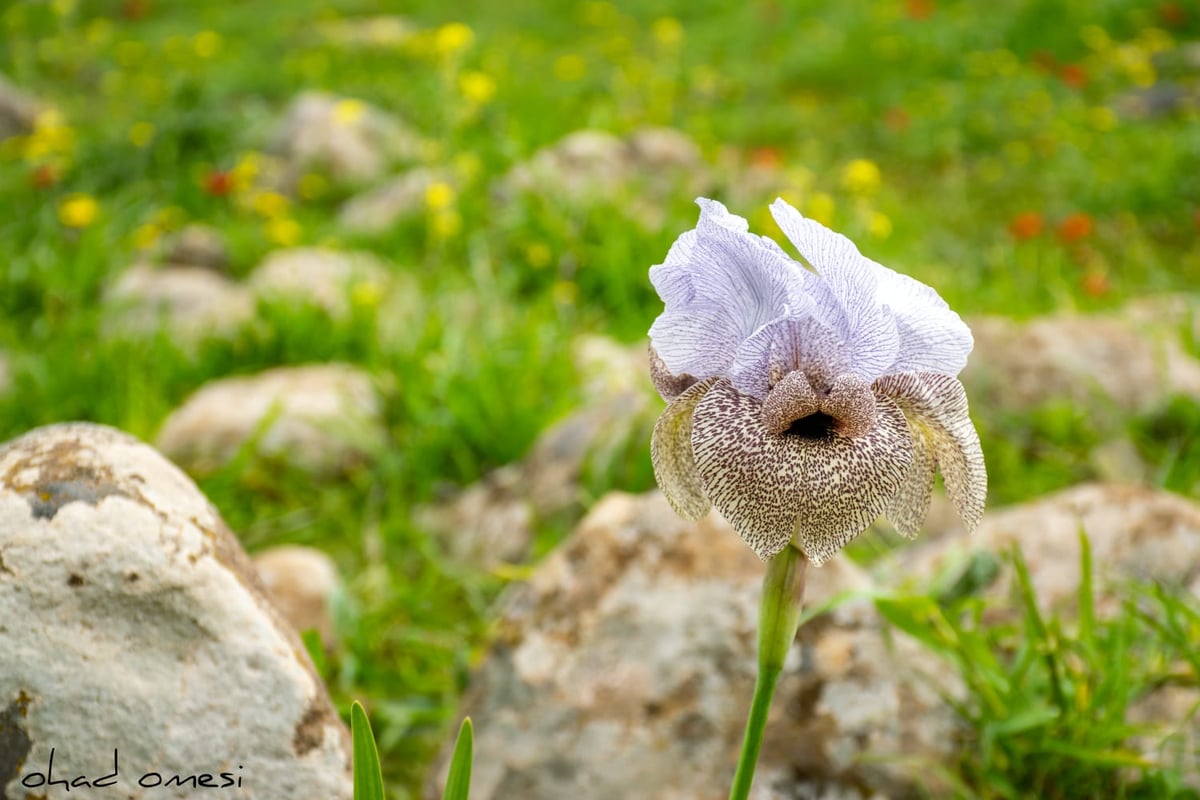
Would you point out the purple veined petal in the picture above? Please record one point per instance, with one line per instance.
(671, 454)
(932, 340)
(729, 286)
(936, 405)
(775, 489)
(799, 341)
(851, 282)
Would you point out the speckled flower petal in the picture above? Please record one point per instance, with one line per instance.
(667, 385)
(908, 509)
(719, 285)
(824, 492)
(937, 404)
(929, 336)
(671, 454)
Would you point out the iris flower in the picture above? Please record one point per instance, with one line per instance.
(805, 404)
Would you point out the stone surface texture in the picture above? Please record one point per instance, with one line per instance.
(398, 198)
(319, 417)
(350, 140)
(189, 302)
(624, 668)
(323, 277)
(132, 620)
(18, 110)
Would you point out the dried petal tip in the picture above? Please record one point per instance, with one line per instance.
(668, 386)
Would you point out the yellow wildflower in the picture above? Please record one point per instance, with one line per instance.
(861, 176)
(667, 31)
(879, 225)
(206, 44)
(1102, 118)
(366, 294)
(78, 210)
(564, 293)
(538, 255)
(439, 195)
(283, 231)
(146, 236)
(820, 206)
(478, 87)
(600, 14)
(445, 223)
(271, 205)
(349, 111)
(570, 67)
(452, 38)
(141, 133)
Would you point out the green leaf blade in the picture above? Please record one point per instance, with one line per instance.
(368, 776)
(458, 782)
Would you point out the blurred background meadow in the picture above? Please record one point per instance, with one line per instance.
(194, 191)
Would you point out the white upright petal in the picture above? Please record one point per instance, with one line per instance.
(719, 285)
(852, 283)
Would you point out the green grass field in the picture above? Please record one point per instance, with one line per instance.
(1001, 157)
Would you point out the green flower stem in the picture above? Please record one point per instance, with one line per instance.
(778, 618)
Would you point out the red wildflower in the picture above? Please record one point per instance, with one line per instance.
(218, 183)
(919, 9)
(135, 9)
(44, 176)
(1075, 227)
(766, 157)
(1026, 225)
(1095, 283)
(1173, 14)
(1073, 75)
(897, 118)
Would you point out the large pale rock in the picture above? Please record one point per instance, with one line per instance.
(350, 140)
(189, 302)
(644, 170)
(323, 277)
(1134, 532)
(403, 196)
(320, 417)
(1109, 364)
(301, 582)
(377, 31)
(18, 110)
(131, 620)
(625, 666)
(197, 246)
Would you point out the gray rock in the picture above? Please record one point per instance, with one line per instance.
(191, 303)
(348, 139)
(321, 417)
(5, 376)
(642, 170)
(401, 197)
(322, 277)
(132, 621)
(1134, 532)
(625, 666)
(1108, 364)
(301, 582)
(197, 246)
(18, 110)
(377, 31)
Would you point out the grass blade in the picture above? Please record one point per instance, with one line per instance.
(458, 783)
(368, 777)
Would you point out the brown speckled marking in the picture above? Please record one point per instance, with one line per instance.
(771, 487)
(668, 386)
(15, 743)
(310, 730)
(937, 404)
